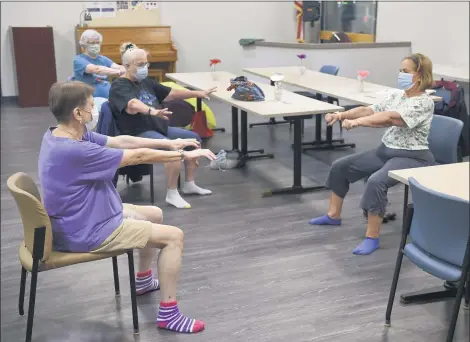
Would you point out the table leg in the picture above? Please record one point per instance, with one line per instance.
(244, 152)
(329, 143)
(297, 187)
(235, 129)
(271, 122)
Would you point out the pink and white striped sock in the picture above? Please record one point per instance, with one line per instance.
(170, 318)
(145, 282)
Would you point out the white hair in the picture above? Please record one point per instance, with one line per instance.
(130, 55)
(88, 35)
(126, 46)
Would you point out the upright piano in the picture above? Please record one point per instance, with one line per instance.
(154, 39)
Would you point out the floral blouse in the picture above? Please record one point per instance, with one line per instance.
(416, 112)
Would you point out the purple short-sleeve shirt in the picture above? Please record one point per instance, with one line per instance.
(78, 192)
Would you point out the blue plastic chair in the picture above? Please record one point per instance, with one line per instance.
(444, 138)
(439, 228)
(329, 69)
(107, 126)
(325, 69)
(446, 96)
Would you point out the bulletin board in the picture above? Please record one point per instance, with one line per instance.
(123, 13)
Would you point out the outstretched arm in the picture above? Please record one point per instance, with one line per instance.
(183, 94)
(381, 119)
(150, 156)
(355, 113)
(130, 142)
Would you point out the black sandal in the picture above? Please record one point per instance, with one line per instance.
(387, 217)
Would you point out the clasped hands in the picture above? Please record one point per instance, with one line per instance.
(347, 124)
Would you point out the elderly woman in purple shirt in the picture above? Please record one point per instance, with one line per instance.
(76, 169)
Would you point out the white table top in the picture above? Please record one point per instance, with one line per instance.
(291, 105)
(340, 87)
(451, 72)
(449, 179)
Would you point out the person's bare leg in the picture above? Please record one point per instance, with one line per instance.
(173, 196)
(190, 169)
(336, 206)
(145, 281)
(374, 222)
(189, 186)
(172, 171)
(145, 213)
(170, 240)
(371, 242)
(333, 218)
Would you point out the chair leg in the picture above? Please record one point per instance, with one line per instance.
(24, 273)
(467, 293)
(460, 292)
(135, 315)
(152, 193)
(116, 277)
(396, 274)
(32, 299)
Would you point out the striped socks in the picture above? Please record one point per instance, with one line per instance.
(170, 318)
(145, 282)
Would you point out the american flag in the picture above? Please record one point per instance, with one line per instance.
(300, 24)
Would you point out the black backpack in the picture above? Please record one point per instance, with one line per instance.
(453, 105)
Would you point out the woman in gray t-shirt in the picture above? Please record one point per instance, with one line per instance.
(404, 145)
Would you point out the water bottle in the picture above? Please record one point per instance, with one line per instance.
(278, 91)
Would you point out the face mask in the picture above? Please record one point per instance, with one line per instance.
(90, 125)
(93, 49)
(405, 81)
(141, 73)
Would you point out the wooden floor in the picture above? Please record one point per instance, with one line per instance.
(253, 269)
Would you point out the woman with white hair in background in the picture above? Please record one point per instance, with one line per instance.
(92, 68)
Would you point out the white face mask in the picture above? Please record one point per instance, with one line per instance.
(90, 125)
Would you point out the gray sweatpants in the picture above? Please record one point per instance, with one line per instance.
(374, 164)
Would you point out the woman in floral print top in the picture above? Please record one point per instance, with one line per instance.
(408, 113)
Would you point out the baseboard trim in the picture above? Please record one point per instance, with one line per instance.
(8, 100)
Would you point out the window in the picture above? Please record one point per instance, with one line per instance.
(357, 17)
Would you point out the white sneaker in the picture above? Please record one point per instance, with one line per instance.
(222, 163)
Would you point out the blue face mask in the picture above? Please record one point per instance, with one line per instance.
(141, 73)
(405, 81)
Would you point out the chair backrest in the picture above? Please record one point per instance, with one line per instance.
(444, 138)
(106, 124)
(446, 96)
(33, 214)
(329, 69)
(440, 224)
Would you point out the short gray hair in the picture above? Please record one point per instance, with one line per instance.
(129, 55)
(88, 35)
(64, 97)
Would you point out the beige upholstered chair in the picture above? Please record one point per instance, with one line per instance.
(36, 254)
